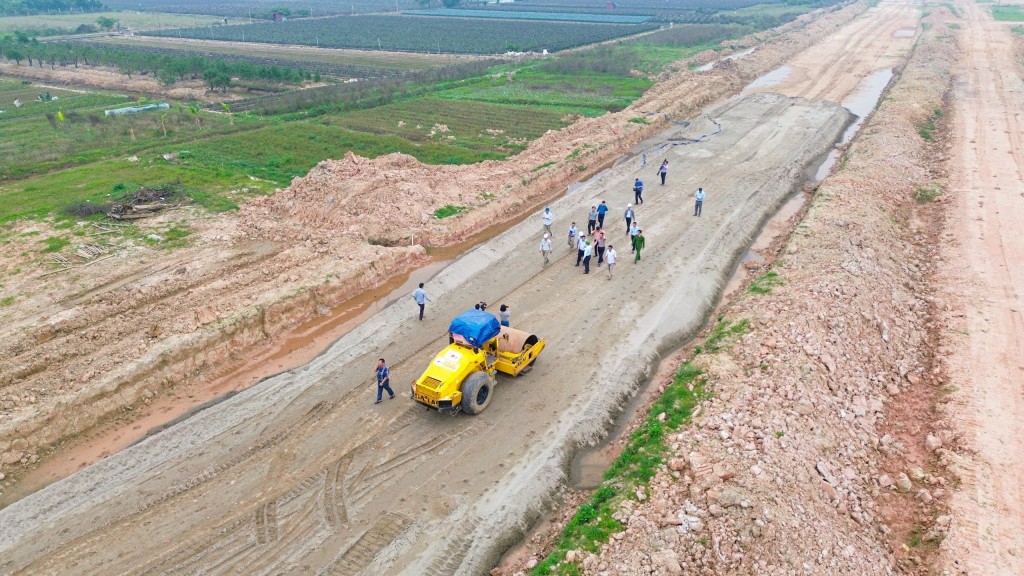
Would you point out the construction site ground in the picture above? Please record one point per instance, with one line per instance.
(302, 472)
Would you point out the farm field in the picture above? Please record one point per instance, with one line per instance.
(475, 125)
(527, 15)
(244, 8)
(127, 18)
(419, 34)
(401, 61)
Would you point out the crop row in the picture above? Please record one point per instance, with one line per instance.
(419, 34)
(606, 18)
(325, 68)
(262, 8)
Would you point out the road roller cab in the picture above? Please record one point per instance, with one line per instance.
(462, 375)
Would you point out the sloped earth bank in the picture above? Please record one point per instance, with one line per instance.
(982, 274)
(820, 450)
(303, 472)
(87, 350)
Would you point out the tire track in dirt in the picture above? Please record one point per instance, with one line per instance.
(852, 55)
(984, 276)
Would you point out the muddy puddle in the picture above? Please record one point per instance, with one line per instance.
(588, 466)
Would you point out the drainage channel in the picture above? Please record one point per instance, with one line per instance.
(589, 464)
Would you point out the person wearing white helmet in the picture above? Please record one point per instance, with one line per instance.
(545, 247)
(630, 215)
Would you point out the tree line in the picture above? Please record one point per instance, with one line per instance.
(12, 7)
(168, 68)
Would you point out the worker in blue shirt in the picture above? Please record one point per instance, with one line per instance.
(383, 380)
(638, 191)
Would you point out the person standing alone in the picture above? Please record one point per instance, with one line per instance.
(663, 171)
(548, 218)
(421, 298)
(698, 201)
(383, 381)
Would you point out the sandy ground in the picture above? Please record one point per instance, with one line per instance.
(316, 471)
(302, 472)
(983, 273)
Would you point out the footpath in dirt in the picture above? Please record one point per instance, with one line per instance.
(983, 279)
(303, 471)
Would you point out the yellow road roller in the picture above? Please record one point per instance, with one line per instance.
(462, 375)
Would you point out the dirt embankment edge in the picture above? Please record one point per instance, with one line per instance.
(821, 449)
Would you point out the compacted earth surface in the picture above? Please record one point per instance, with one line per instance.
(829, 443)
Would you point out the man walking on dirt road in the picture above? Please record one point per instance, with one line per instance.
(383, 381)
(545, 247)
(610, 257)
(638, 191)
(581, 244)
(663, 171)
(421, 298)
(698, 201)
(592, 220)
(588, 251)
(629, 216)
(548, 218)
(638, 244)
(602, 209)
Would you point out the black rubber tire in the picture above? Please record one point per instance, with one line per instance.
(477, 390)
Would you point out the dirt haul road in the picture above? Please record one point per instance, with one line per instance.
(303, 471)
(984, 275)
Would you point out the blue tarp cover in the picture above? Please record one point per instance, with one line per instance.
(476, 326)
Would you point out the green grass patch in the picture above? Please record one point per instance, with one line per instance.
(449, 210)
(544, 165)
(636, 465)
(6, 301)
(764, 283)
(55, 244)
(469, 124)
(639, 460)
(639, 120)
(927, 130)
(1017, 30)
(926, 194)
(1008, 13)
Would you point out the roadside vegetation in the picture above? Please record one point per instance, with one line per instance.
(629, 476)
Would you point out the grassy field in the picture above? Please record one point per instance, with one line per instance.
(475, 125)
(587, 94)
(130, 19)
(1008, 13)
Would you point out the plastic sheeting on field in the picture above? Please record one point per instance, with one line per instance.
(136, 109)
